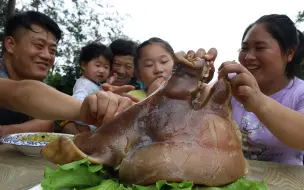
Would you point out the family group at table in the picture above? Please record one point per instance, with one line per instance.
(267, 102)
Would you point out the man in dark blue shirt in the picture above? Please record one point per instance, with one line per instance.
(29, 47)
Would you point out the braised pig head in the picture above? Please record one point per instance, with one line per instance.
(183, 131)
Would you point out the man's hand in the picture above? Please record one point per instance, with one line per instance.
(101, 107)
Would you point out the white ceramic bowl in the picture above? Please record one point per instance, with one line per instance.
(38, 187)
(28, 147)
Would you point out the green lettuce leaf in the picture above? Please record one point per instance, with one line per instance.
(240, 184)
(76, 174)
(81, 175)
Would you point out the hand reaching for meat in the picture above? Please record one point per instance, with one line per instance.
(121, 90)
(99, 108)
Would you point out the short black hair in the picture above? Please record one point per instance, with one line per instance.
(93, 50)
(27, 19)
(284, 31)
(122, 47)
(164, 43)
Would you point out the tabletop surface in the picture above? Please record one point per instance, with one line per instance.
(19, 172)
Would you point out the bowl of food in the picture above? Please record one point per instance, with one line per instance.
(30, 144)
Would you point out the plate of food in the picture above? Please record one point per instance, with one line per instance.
(31, 144)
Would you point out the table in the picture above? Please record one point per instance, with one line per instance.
(18, 172)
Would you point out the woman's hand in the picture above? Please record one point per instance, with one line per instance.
(244, 86)
(101, 107)
(210, 56)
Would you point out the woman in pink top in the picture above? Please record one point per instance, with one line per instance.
(268, 101)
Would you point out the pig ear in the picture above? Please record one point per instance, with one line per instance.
(62, 151)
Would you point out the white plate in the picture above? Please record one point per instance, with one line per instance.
(29, 148)
(38, 187)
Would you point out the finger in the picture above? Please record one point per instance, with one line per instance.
(200, 53)
(231, 67)
(159, 81)
(122, 89)
(112, 79)
(106, 87)
(102, 104)
(133, 98)
(242, 79)
(111, 108)
(180, 54)
(226, 63)
(155, 85)
(211, 54)
(92, 103)
(180, 57)
(211, 72)
(211, 64)
(198, 63)
(244, 91)
(190, 55)
(123, 104)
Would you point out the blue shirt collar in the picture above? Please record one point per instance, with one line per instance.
(3, 71)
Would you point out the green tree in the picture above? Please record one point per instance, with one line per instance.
(300, 70)
(3, 13)
(7, 9)
(300, 17)
(81, 21)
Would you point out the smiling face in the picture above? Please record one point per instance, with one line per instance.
(155, 62)
(262, 56)
(32, 52)
(97, 69)
(123, 66)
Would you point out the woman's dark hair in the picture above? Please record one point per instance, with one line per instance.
(284, 31)
(162, 42)
(93, 50)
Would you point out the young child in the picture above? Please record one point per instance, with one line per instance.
(153, 64)
(95, 60)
